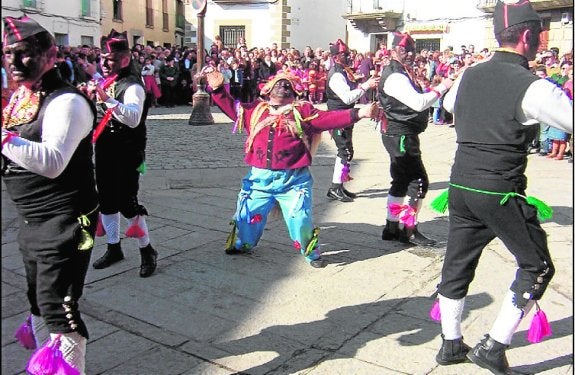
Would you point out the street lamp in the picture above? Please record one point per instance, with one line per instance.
(201, 114)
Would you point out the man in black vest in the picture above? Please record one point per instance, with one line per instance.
(497, 105)
(405, 105)
(342, 93)
(120, 150)
(48, 171)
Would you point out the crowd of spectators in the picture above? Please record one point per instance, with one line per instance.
(168, 72)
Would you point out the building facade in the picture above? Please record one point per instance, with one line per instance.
(72, 22)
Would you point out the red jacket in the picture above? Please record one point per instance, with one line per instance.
(274, 146)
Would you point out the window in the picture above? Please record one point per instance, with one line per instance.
(230, 35)
(29, 3)
(165, 16)
(87, 40)
(428, 44)
(86, 8)
(117, 10)
(149, 14)
(61, 39)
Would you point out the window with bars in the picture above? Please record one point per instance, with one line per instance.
(230, 35)
(428, 44)
(117, 9)
(149, 14)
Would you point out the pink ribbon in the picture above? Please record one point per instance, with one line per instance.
(405, 212)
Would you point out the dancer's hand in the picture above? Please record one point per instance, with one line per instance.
(372, 111)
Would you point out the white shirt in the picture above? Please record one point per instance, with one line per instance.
(543, 102)
(67, 120)
(399, 86)
(338, 84)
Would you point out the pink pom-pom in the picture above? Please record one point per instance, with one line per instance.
(25, 335)
(134, 231)
(540, 327)
(256, 219)
(48, 360)
(435, 312)
(100, 231)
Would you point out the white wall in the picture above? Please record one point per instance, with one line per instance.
(316, 23)
(57, 18)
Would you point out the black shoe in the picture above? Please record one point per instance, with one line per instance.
(490, 355)
(149, 258)
(452, 352)
(391, 231)
(338, 194)
(112, 255)
(533, 150)
(543, 153)
(413, 236)
(318, 263)
(349, 193)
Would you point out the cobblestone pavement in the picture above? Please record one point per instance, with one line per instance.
(270, 313)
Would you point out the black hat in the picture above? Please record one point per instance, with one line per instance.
(338, 47)
(114, 42)
(512, 12)
(403, 40)
(18, 29)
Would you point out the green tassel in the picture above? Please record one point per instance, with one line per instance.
(313, 242)
(142, 168)
(86, 241)
(231, 241)
(402, 144)
(440, 203)
(544, 212)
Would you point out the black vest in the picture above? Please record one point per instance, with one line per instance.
(116, 132)
(73, 191)
(491, 141)
(333, 101)
(401, 119)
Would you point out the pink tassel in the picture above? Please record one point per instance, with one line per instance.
(135, 231)
(25, 335)
(49, 361)
(435, 312)
(100, 231)
(405, 212)
(540, 327)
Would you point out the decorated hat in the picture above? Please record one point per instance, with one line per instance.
(338, 47)
(292, 79)
(512, 12)
(403, 40)
(18, 29)
(114, 42)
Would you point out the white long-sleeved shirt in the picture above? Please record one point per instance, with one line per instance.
(67, 120)
(543, 102)
(338, 84)
(399, 86)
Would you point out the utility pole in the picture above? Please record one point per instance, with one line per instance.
(201, 114)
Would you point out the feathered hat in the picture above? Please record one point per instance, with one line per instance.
(338, 47)
(292, 79)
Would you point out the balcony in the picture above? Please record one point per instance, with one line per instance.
(374, 16)
(489, 5)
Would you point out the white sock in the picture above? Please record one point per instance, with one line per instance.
(337, 171)
(73, 348)
(393, 200)
(111, 225)
(451, 310)
(41, 334)
(418, 205)
(144, 240)
(508, 319)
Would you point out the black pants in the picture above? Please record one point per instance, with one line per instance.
(475, 219)
(343, 139)
(56, 269)
(408, 173)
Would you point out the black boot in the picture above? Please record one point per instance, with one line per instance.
(336, 192)
(348, 193)
(413, 236)
(490, 355)
(452, 352)
(112, 255)
(391, 231)
(149, 257)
